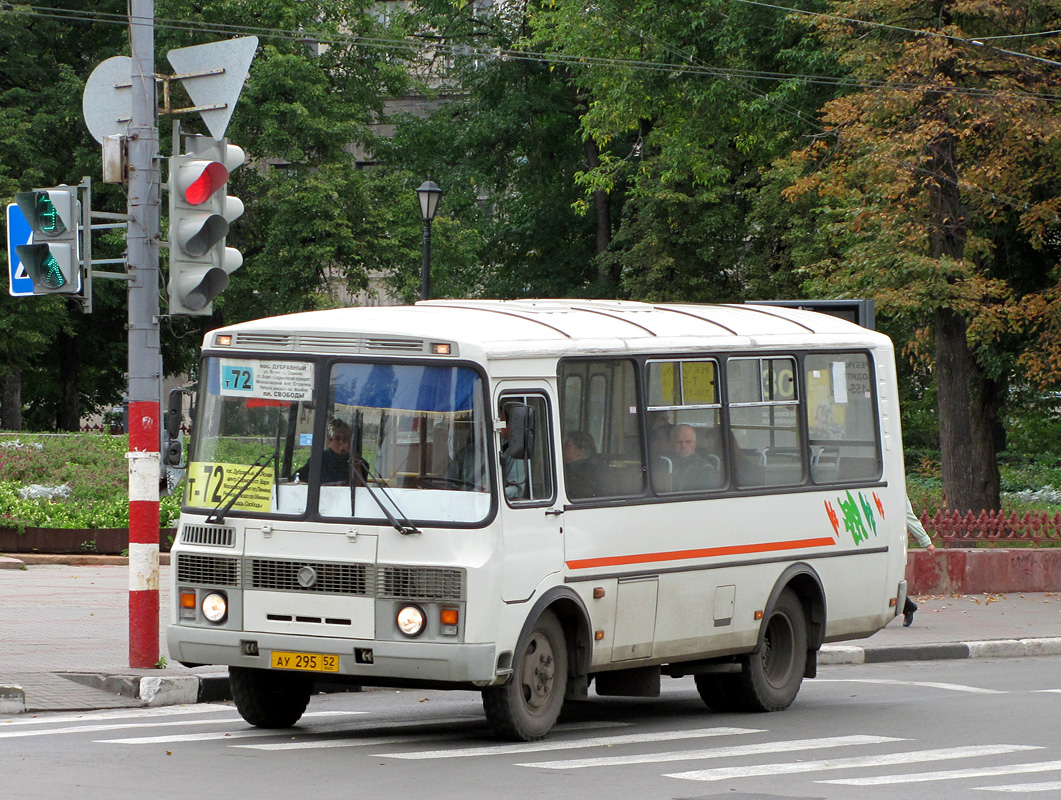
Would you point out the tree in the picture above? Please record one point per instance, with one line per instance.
(687, 106)
(502, 140)
(937, 181)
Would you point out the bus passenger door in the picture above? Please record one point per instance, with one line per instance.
(531, 530)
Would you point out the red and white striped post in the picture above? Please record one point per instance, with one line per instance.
(144, 352)
(144, 464)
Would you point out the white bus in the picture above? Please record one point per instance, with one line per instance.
(540, 497)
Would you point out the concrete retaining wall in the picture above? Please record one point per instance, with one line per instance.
(974, 571)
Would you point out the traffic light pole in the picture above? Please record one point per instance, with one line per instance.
(144, 201)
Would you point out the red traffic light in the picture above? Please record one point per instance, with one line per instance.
(212, 176)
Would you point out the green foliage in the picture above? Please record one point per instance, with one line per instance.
(92, 467)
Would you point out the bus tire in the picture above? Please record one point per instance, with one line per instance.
(526, 708)
(268, 699)
(771, 676)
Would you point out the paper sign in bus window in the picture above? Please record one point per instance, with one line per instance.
(213, 484)
(289, 381)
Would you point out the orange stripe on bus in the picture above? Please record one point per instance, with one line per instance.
(707, 552)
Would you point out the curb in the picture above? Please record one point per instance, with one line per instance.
(995, 648)
(22, 560)
(12, 700)
(153, 691)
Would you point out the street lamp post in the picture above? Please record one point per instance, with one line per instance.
(428, 193)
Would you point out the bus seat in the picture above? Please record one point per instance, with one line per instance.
(858, 469)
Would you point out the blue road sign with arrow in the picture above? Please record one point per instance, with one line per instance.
(18, 232)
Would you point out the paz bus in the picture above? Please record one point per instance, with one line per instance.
(537, 498)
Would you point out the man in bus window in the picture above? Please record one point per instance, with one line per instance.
(690, 470)
(580, 469)
(335, 461)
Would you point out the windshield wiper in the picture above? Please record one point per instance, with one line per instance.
(217, 516)
(360, 471)
(403, 526)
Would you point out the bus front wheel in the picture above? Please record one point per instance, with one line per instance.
(526, 708)
(269, 699)
(771, 677)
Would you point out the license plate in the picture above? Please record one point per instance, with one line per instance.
(311, 662)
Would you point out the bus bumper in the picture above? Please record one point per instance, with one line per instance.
(377, 661)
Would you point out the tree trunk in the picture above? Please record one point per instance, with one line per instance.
(11, 404)
(602, 208)
(969, 400)
(68, 417)
(968, 411)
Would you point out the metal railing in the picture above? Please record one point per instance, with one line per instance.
(992, 528)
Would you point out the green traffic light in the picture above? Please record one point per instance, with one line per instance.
(51, 223)
(52, 273)
(43, 267)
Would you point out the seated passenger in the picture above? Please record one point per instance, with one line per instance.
(691, 471)
(580, 469)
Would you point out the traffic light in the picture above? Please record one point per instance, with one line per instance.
(52, 260)
(200, 211)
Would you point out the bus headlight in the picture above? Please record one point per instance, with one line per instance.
(411, 620)
(215, 607)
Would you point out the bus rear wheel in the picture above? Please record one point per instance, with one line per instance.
(770, 678)
(526, 708)
(268, 699)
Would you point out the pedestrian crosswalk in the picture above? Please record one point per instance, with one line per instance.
(738, 755)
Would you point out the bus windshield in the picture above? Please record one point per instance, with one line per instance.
(385, 441)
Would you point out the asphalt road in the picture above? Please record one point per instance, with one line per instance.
(943, 730)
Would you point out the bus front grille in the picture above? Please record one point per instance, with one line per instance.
(209, 535)
(208, 570)
(310, 576)
(420, 583)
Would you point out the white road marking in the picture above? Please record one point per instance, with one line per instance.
(572, 744)
(734, 751)
(324, 744)
(953, 774)
(789, 768)
(950, 687)
(200, 737)
(1023, 788)
(131, 713)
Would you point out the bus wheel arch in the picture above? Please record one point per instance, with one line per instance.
(551, 658)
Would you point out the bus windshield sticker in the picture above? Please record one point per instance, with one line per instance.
(210, 483)
(289, 381)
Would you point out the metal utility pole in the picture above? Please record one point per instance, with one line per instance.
(144, 350)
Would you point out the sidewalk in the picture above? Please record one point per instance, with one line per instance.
(64, 638)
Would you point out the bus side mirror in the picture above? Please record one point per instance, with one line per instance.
(173, 451)
(174, 412)
(521, 426)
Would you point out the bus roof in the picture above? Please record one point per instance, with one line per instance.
(524, 328)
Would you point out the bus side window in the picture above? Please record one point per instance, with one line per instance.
(842, 418)
(526, 466)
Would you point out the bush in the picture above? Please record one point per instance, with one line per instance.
(93, 467)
